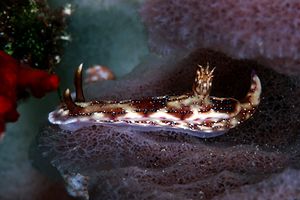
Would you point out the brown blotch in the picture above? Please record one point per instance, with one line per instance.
(181, 113)
(114, 113)
(224, 105)
(205, 108)
(148, 105)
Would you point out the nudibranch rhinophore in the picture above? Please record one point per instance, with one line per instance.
(195, 113)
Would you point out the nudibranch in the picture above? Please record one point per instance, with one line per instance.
(195, 113)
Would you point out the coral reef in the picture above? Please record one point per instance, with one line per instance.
(16, 80)
(134, 163)
(262, 30)
(32, 32)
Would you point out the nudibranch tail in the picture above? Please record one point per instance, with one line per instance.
(252, 99)
(195, 113)
(253, 96)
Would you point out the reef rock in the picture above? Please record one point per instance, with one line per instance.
(123, 162)
(266, 31)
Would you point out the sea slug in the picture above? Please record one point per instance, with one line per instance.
(195, 113)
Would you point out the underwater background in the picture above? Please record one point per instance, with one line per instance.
(153, 48)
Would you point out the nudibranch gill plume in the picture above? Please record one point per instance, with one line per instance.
(195, 113)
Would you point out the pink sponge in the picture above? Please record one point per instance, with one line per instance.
(264, 30)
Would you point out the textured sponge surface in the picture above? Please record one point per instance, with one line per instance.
(264, 30)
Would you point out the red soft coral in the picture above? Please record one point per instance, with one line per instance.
(37, 81)
(15, 78)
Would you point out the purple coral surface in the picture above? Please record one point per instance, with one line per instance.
(265, 30)
(122, 162)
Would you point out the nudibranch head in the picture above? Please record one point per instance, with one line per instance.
(194, 113)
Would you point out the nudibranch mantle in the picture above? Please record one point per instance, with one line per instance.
(194, 113)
